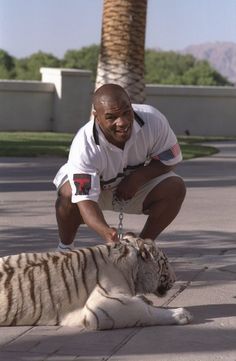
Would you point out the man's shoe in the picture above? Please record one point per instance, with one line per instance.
(65, 247)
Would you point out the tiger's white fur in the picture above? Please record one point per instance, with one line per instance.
(99, 287)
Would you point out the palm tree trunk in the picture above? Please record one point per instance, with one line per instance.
(121, 58)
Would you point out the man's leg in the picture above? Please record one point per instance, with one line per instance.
(162, 205)
(67, 214)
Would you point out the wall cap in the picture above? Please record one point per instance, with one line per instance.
(26, 86)
(187, 90)
(65, 72)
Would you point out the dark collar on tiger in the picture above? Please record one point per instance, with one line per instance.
(137, 117)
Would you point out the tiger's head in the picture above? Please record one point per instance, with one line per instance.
(154, 272)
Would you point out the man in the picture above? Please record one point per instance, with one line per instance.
(125, 155)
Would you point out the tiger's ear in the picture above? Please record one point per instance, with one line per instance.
(129, 237)
(143, 249)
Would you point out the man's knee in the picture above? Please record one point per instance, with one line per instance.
(174, 189)
(64, 196)
(179, 188)
(65, 190)
(171, 190)
(65, 209)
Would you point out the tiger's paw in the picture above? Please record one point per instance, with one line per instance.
(182, 316)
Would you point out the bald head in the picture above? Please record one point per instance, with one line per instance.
(113, 113)
(109, 93)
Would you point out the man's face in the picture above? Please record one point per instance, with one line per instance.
(115, 118)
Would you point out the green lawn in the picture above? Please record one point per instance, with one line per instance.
(33, 144)
(29, 144)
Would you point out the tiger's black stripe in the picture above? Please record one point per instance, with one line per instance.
(48, 280)
(101, 254)
(40, 310)
(31, 290)
(58, 314)
(112, 298)
(63, 274)
(85, 322)
(115, 299)
(97, 270)
(66, 262)
(108, 249)
(83, 270)
(7, 285)
(70, 268)
(73, 273)
(55, 260)
(94, 314)
(19, 261)
(108, 316)
(14, 319)
(27, 258)
(21, 296)
(78, 259)
(124, 254)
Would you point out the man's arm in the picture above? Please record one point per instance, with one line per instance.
(93, 217)
(127, 188)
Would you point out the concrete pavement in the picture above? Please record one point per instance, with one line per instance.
(201, 243)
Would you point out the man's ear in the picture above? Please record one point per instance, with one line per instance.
(95, 114)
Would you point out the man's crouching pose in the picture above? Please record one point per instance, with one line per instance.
(127, 154)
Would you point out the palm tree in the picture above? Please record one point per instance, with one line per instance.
(121, 58)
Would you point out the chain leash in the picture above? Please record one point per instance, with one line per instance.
(120, 224)
(119, 206)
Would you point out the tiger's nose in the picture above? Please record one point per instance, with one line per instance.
(161, 291)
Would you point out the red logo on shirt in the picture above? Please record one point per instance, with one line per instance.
(82, 183)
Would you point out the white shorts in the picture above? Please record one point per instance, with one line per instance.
(106, 200)
(134, 205)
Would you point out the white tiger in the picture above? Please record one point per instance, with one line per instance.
(97, 288)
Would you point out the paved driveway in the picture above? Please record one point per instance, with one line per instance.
(201, 243)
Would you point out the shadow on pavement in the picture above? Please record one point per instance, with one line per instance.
(113, 343)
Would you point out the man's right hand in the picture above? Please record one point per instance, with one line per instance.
(94, 218)
(111, 235)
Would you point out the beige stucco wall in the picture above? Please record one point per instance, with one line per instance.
(26, 105)
(200, 110)
(62, 103)
(72, 97)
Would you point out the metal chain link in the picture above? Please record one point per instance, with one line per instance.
(119, 206)
(120, 225)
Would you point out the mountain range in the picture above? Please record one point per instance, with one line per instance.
(221, 55)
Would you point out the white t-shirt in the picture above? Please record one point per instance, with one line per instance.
(94, 164)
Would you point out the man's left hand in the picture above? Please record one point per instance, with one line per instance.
(129, 185)
(127, 188)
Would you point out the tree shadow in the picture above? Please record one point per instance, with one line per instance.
(208, 313)
(14, 240)
(197, 338)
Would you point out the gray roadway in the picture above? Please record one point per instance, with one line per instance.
(201, 243)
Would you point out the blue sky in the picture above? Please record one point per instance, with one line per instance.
(54, 26)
